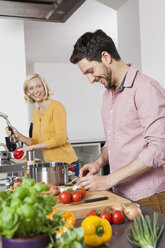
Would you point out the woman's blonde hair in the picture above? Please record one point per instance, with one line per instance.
(48, 92)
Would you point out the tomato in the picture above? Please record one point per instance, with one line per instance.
(117, 217)
(82, 191)
(18, 154)
(109, 209)
(77, 196)
(65, 197)
(92, 212)
(106, 215)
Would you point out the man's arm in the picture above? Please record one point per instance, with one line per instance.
(127, 172)
(124, 174)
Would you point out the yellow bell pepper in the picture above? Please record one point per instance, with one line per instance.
(97, 231)
(68, 217)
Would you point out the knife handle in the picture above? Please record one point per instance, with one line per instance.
(97, 199)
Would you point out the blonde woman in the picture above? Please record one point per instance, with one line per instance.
(49, 123)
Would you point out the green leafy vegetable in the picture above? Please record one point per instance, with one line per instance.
(143, 233)
(23, 214)
(72, 238)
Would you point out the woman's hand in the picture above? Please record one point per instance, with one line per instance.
(25, 149)
(16, 133)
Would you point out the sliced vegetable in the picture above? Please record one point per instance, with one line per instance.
(143, 233)
(97, 231)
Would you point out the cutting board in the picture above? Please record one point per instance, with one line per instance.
(81, 209)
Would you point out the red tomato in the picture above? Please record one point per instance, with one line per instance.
(82, 191)
(92, 212)
(109, 209)
(117, 217)
(106, 215)
(65, 197)
(77, 196)
(18, 154)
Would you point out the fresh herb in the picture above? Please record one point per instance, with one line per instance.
(143, 233)
(23, 214)
(72, 238)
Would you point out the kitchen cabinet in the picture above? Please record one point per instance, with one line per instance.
(88, 151)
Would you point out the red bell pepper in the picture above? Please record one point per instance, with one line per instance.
(18, 154)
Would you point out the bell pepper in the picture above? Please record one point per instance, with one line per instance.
(68, 217)
(18, 154)
(97, 231)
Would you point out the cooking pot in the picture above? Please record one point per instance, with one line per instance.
(55, 173)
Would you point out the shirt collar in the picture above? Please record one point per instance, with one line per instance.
(131, 74)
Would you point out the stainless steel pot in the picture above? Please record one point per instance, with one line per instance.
(55, 173)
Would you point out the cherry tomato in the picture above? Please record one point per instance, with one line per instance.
(117, 217)
(82, 191)
(109, 209)
(92, 212)
(106, 215)
(18, 154)
(77, 196)
(65, 197)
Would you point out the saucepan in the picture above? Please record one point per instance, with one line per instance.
(54, 173)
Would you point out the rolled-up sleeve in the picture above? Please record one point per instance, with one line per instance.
(151, 110)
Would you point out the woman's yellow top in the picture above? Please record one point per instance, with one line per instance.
(51, 128)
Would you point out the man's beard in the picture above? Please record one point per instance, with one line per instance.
(109, 79)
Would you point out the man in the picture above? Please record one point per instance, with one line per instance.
(133, 114)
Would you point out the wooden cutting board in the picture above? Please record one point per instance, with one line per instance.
(81, 209)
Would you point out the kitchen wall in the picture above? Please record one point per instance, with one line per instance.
(81, 99)
(139, 34)
(152, 35)
(129, 32)
(12, 72)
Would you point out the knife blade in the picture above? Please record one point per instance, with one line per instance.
(91, 200)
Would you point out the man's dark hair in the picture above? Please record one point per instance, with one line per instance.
(91, 45)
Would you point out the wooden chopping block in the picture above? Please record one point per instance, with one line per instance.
(80, 210)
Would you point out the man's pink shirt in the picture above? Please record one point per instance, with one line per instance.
(134, 125)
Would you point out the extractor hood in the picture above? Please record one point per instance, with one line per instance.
(39, 10)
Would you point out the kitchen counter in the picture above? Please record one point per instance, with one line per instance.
(120, 232)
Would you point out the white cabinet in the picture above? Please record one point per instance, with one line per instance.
(87, 152)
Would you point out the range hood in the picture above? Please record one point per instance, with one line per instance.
(40, 10)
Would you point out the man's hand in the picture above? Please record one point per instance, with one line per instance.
(90, 169)
(93, 182)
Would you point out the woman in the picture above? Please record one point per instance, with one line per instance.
(49, 123)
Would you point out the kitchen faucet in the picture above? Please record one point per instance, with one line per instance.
(4, 146)
(5, 117)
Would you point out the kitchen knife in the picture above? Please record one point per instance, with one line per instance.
(91, 200)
